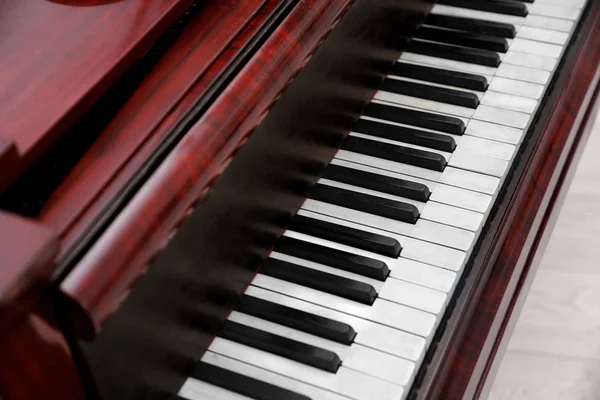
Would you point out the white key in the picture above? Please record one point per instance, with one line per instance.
(424, 104)
(500, 116)
(368, 333)
(451, 176)
(266, 376)
(425, 230)
(564, 3)
(523, 73)
(497, 132)
(461, 198)
(394, 290)
(543, 35)
(412, 249)
(382, 311)
(357, 357)
(346, 381)
(517, 88)
(453, 216)
(482, 15)
(470, 180)
(478, 163)
(548, 10)
(537, 21)
(194, 389)
(451, 65)
(537, 48)
(530, 60)
(509, 102)
(486, 147)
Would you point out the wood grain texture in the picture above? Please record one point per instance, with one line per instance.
(103, 277)
(57, 59)
(527, 214)
(200, 55)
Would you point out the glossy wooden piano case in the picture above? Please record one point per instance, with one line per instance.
(275, 48)
(147, 273)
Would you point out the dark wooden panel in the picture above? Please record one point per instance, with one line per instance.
(57, 59)
(174, 310)
(200, 55)
(9, 161)
(460, 365)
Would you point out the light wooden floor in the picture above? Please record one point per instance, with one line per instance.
(554, 352)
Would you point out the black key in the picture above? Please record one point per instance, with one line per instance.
(499, 29)
(336, 285)
(401, 154)
(428, 92)
(366, 203)
(421, 119)
(339, 259)
(461, 38)
(526, 1)
(473, 56)
(407, 135)
(452, 78)
(507, 7)
(381, 183)
(241, 384)
(297, 319)
(384, 245)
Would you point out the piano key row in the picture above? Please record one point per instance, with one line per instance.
(347, 303)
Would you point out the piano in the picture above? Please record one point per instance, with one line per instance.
(279, 199)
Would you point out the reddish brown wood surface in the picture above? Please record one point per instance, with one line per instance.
(192, 63)
(536, 186)
(58, 58)
(103, 277)
(36, 361)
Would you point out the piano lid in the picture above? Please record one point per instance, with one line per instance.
(58, 57)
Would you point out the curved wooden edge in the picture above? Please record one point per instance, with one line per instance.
(135, 131)
(58, 59)
(522, 223)
(102, 279)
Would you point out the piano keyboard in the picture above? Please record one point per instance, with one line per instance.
(349, 300)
